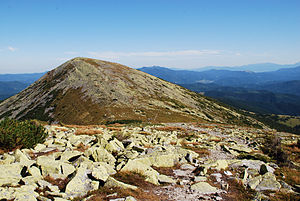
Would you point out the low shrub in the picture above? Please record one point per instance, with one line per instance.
(124, 121)
(20, 134)
(272, 147)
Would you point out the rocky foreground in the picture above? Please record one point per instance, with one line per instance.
(155, 162)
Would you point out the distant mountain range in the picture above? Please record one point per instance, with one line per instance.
(260, 67)
(224, 77)
(27, 78)
(275, 92)
(11, 84)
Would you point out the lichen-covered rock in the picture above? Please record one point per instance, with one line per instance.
(67, 156)
(100, 154)
(253, 183)
(7, 193)
(111, 182)
(26, 192)
(204, 188)
(100, 173)
(114, 146)
(165, 179)
(268, 183)
(241, 148)
(251, 164)
(80, 184)
(54, 168)
(35, 172)
(163, 160)
(10, 174)
(7, 159)
(142, 166)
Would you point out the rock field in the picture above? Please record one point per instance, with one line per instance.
(177, 161)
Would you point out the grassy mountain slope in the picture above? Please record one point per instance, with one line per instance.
(89, 91)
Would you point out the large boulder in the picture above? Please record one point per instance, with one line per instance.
(54, 168)
(10, 174)
(268, 183)
(80, 184)
(142, 166)
(100, 154)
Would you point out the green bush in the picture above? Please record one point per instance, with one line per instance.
(20, 134)
(124, 121)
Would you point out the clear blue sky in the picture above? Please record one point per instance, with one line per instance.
(36, 36)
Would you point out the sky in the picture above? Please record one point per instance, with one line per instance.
(39, 35)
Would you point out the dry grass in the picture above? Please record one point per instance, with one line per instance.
(216, 140)
(33, 156)
(237, 191)
(133, 178)
(201, 151)
(61, 129)
(284, 196)
(115, 128)
(170, 128)
(292, 176)
(88, 132)
(102, 193)
(293, 151)
(81, 147)
(187, 135)
(121, 136)
(85, 126)
(61, 183)
(144, 133)
(167, 170)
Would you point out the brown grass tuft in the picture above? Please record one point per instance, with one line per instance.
(61, 129)
(81, 147)
(133, 178)
(170, 128)
(33, 156)
(102, 193)
(167, 170)
(61, 183)
(115, 129)
(237, 191)
(88, 132)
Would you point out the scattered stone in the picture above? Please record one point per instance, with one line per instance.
(90, 161)
(268, 183)
(200, 178)
(111, 182)
(130, 198)
(204, 188)
(165, 179)
(228, 173)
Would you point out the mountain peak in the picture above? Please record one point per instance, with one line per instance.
(90, 91)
